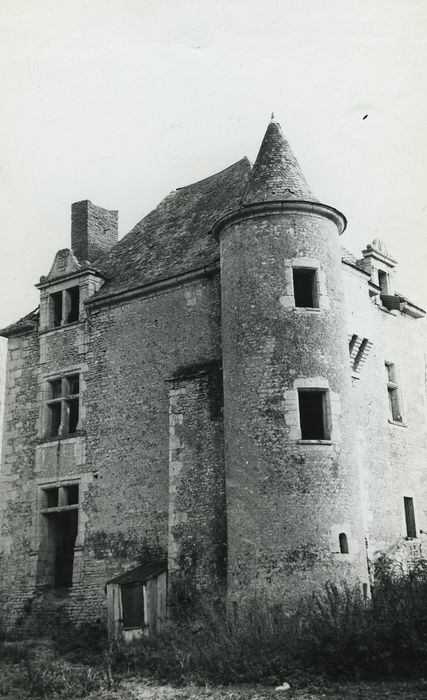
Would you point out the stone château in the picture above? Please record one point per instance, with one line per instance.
(225, 395)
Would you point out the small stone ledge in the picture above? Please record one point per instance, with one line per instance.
(400, 423)
(315, 442)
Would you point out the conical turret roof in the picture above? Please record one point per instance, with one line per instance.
(276, 174)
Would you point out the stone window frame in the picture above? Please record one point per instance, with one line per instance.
(47, 301)
(394, 394)
(44, 510)
(409, 494)
(337, 529)
(287, 300)
(332, 406)
(47, 399)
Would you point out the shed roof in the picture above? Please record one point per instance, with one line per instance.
(140, 574)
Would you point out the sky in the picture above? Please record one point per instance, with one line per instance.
(122, 101)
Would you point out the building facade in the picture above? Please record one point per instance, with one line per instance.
(225, 395)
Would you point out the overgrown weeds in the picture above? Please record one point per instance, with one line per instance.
(336, 633)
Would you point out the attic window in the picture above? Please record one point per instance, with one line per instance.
(305, 288)
(383, 282)
(64, 307)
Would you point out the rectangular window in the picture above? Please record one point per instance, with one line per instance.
(63, 406)
(411, 530)
(59, 527)
(55, 308)
(395, 413)
(64, 306)
(313, 414)
(305, 287)
(383, 281)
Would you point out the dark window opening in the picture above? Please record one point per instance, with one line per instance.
(71, 494)
(51, 498)
(305, 288)
(133, 605)
(343, 543)
(411, 530)
(312, 410)
(54, 419)
(73, 415)
(56, 308)
(72, 300)
(383, 281)
(65, 533)
(73, 384)
(365, 591)
(63, 406)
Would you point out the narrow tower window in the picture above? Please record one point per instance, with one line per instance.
(305, 288)
(343, 543)
(411, 530)
(393, 393)
(313, 414)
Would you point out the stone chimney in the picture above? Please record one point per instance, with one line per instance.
(94, 230)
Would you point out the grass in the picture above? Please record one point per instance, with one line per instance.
(335, 635)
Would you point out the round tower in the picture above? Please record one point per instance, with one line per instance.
(292, 482)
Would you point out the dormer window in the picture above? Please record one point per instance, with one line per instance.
(64, 307)
(383, 282)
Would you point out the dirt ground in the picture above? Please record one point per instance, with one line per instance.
(137, 690)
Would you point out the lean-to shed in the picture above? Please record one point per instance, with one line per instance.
(136, 601)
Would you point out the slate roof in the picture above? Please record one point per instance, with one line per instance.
(176, 236)
(276, 174)
(140, 574)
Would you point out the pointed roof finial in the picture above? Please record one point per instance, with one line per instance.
(276, 174)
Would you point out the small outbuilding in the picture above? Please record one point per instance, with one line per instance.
(136, 601)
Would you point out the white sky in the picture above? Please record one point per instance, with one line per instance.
(122, 101)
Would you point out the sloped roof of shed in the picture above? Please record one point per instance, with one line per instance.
(176, 236)
(140, 574)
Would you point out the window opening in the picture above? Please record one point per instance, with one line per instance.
(56, 308)
(411, 530)
(312, 410)
(71, 494)
(343, 543)
(63, 406)
(393, 393)
(59, 533)
(72, 297)
(64, 306)
(133, 605)
(305, 287)
(383, 281)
